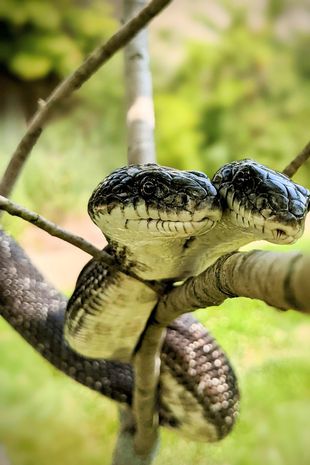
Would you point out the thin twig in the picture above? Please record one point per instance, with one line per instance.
(97, 58)
(54, 230)
(51, 228)
(298, 161)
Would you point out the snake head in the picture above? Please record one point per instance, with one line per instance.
(262, 201)
(154, 201)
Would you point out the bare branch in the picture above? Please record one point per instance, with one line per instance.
(141, 442)
(51, 228)
(147, 371)
(125, 453)
(298, 161)
(138, 82)
(97, 58)
(280, 280)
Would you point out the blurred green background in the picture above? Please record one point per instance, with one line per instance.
(231, 80)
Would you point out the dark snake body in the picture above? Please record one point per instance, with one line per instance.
(198, 391)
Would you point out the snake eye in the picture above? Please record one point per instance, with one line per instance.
(148, 188)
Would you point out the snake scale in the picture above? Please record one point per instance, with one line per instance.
(162, 226)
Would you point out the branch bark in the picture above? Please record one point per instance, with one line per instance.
(280, 280)
(141, 442)
(96, 59)
(138, 83)
(297, 162)
(125, 450)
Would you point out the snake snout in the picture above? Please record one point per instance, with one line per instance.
(283, 228)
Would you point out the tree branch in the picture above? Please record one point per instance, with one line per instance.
(139, 443)
(52, 228)
(280, 280)
(97, 58)
(298, 161)
(147, 371)
(125, 451)
(138, 83)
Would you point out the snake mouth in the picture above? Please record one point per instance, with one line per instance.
(280, 233)
(154, 226)
(275, 228)
(170, 228)
(155, 222)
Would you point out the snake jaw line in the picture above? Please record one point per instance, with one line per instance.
(113, 223)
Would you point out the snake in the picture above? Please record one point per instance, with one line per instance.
(162, 226)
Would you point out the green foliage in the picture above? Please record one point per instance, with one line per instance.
(178, 135)
(39, 38)
(249, 94)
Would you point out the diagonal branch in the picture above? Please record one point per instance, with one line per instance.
(96, 59)
(297, 162)
(53, 229)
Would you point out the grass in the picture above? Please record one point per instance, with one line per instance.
(46, 418)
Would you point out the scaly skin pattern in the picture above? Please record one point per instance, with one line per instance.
(165, 225)
(36, 310)
(162, 225)
(148, 214)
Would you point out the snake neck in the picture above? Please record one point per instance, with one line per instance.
(223, 239)
(177, 259)
(158, 259)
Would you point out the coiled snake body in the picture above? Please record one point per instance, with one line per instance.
(162, 226)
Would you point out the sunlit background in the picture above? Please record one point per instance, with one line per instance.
(231, 81)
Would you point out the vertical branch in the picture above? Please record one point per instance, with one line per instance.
(138, 83)
(138, 436)
(124, 452)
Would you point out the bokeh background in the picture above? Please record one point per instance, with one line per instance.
(231, 81)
